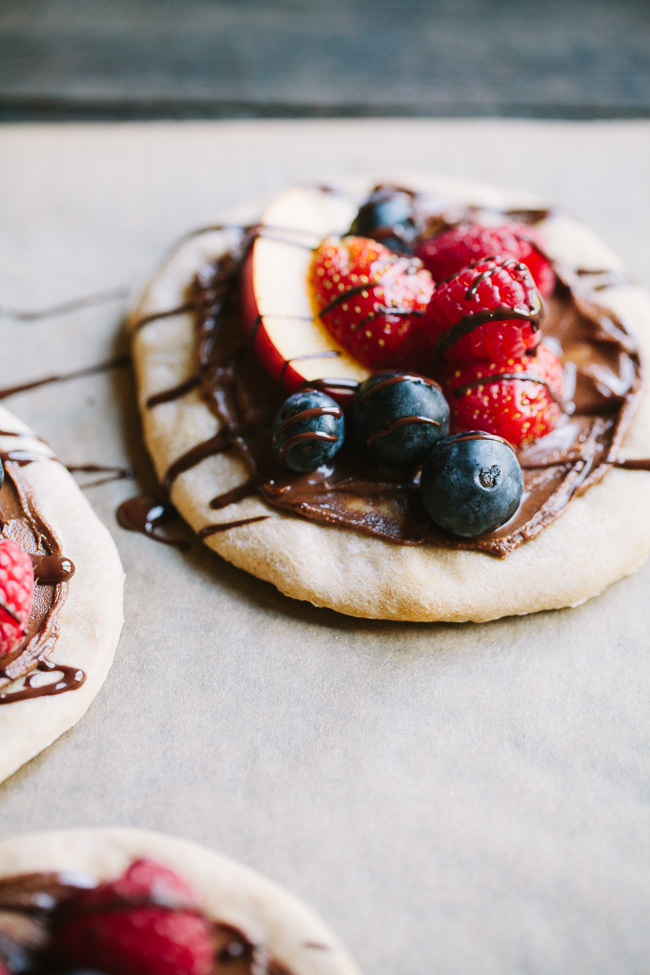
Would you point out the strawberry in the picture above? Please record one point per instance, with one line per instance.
(454, 249)
(16, 594)
(517, 399)
(145, 923)
(371, 300)
(468, 315)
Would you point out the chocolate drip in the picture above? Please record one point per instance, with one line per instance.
(158, 315)
(485, 275)
(207, 448)
(227, 525)
(344, 296)
(176, 392)
(51, 570)
(632, 464)
(328, 354)
(340, 388)
(65, 307)
(245, 490)
(113, 473)
(22, 457)
(309, 436)
(144, 514)
(508, 376)
(401, 421)
(607, 278)
(401, 377)
(116, 363)
(301, 417)
(69, 680)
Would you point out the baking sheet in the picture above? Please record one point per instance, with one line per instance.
(452, 799)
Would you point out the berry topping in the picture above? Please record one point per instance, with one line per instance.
(489, 310)
(399, 416)
(371, 300)
(517, 399)
(454, 249)
(308, 430)
(388, 216)
(144, 923)
(471, 483)
(16, 594)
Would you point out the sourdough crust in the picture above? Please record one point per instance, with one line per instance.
(602, 536)
(227, 891)
(91, 618)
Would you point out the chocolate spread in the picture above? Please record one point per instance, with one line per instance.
(602, 366)
(31, 904)
(23, 522)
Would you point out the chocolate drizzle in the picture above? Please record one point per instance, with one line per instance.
(68, 679)
(227, 525)
(207, 448)
(352, 491)
(115, 363)
(143, 514)
(176, 392)
(468, 323)
(65, 307)
(111, 472)
(23, 522)
(307, 436)
(50, 570)
(510, 377)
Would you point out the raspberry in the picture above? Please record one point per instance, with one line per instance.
(468, 315)
(16, 594)
(371, 300)
(454, 249)
(144, 923)
(487, 396)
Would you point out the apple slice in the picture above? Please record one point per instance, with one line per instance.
(277, 312)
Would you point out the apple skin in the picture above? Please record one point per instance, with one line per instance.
(277, 314)
(260, 340)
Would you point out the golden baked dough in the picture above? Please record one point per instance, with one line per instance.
(601, 537)
(90, 619)
(227, 891)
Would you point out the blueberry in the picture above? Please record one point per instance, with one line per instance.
(2, 473)
(308, 430)
(389, 217)
(399, 416)
(471, 483)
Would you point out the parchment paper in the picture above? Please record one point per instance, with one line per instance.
(452, 799)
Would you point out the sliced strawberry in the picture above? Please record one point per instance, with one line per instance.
(454, 249)
(371, 300)
(469, 314)
(517, 399)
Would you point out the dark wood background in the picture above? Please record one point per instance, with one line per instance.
(105, 59)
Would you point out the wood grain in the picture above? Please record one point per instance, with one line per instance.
(255, 58)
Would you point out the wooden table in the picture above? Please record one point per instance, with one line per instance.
(85, 59)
